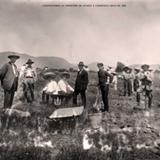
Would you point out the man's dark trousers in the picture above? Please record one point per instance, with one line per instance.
(28, 89)
(105, 91)
(83, 96)
(9, 95)
(127, 87)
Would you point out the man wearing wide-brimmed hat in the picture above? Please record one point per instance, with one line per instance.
(127, 77)
(29, 78)
(9, 80)
(81, 84)
(146, 83)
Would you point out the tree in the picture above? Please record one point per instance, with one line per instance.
(119, 67)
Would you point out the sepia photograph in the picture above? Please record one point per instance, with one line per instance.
(79, 80)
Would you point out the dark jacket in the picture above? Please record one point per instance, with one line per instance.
(8, 77)
(81, 80)
(104, 77)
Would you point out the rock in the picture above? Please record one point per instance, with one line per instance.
(18, 113)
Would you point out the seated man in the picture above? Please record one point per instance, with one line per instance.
(51, 87)
(64, 88)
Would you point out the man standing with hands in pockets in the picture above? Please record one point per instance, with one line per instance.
(81, 84)
(9, 80)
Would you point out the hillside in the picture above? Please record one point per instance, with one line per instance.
(152, 66)
(51, 62)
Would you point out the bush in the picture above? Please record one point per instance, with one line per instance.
(77, 153)
(30, 153)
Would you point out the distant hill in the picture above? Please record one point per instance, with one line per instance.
(40, 62)
(152, 66)
(93, 66)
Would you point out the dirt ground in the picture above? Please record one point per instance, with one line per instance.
(124, 133)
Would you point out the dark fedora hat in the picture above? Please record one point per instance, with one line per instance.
(145, 66)
(29, 61)
(13, 56)
(100, 64)
(81, 64)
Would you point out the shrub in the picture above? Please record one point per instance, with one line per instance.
(30, 153)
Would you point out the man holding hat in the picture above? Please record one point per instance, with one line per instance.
(105, 79)
(29, 78)
(9, 80)
(81, 84)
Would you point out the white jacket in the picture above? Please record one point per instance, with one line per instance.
(64, 86)
(51, 87)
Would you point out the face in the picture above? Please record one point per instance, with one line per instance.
(128, 71)
(80, 67)
(13, 60)
(145, 69)
(30, 65)
(100, 67)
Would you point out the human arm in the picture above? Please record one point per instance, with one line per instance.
(3, 71)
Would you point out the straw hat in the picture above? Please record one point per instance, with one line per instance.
(13, 56)
(47, 75)
(145, 67)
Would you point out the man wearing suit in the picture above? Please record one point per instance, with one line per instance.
(81, 84)
(105, 79)
(9, 80)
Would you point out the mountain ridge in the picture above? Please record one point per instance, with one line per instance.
(40, 61)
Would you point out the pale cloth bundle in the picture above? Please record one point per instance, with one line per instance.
(64, 86)
(51, 88)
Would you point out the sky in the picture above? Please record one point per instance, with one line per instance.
(128, 34)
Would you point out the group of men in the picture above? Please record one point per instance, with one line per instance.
(141, 81)
(9, 76)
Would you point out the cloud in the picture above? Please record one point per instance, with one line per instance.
(130, 34)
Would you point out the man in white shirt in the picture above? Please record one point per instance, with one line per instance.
(29, 78)
(127, 77)
(115, 80)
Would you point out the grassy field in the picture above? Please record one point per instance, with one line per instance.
(123, 133)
